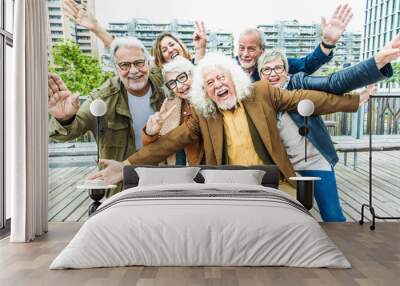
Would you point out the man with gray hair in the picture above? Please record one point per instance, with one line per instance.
(252, 44)
(131, 97)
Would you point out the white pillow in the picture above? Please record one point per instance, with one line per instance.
(248, 177)
(166, 176)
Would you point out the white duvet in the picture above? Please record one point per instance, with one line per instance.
(185, 230)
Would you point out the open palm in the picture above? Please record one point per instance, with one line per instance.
(61, 103)
(79, 14)
(333, 28)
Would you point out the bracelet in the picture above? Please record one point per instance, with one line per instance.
(328, 46)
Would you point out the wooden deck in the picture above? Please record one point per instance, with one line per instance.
(67, 203)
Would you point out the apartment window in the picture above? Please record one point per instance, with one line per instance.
(6, 43)
(55, 17)
(54, 9)
(392, 22)
(398, 20)
(387, 8)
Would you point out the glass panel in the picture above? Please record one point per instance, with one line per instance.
(9, 15)
(8, 77)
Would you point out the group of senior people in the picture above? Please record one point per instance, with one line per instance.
(222, 111)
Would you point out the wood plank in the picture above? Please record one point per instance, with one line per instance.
(374, 255)
(352, 185)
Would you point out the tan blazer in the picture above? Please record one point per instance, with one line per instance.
(261, 106)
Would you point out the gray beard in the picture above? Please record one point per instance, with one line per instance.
(227, 105)
(247, 66)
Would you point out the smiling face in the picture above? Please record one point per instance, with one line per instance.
(277, 74)
(220, 87)
(136, 78)
(170, 48)
(183, 82)
(249, 50)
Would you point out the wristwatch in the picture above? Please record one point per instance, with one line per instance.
(328, 46)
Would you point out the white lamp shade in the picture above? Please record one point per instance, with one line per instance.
(305, 107)
(98, 107)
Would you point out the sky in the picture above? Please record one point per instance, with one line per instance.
(231, 16)
(223, 14)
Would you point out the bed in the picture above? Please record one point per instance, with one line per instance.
(201, 224)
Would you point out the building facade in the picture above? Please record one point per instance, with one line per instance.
(298, 40)
(147, 31)
(62, 29)
(381, 24)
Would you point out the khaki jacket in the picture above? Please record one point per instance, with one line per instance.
(261, 107)
(117, 138)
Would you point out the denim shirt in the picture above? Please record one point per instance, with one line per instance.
(362, 74)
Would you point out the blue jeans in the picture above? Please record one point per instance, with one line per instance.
(326, 195)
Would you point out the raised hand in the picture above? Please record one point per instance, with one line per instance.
(156, 121)
(389, 53)
(200, 36)
(79, 14)
(61, 103)
(395, 43)
(111, 174)
(333, 28)
(364, 95)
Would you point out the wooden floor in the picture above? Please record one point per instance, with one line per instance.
(374, 255)
(67, 203)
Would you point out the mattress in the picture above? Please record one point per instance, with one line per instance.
(201, 225)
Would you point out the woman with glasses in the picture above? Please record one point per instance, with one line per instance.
(321, 154)
(175, 110)
(165, 47)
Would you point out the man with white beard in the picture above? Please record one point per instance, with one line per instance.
(252, 44)
(131, 97)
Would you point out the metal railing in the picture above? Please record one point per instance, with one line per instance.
(385, 117)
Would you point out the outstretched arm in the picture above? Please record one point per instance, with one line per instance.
(365, 73)
(170, 143)
(80, 15)
(325, 103)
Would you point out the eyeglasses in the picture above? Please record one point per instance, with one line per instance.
(173, 83)
(126, 66)
(278, 69)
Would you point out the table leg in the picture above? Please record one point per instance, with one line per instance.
(305, 193)
(96, 195)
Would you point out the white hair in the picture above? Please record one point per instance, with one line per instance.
(178, 64)
(132, 42)
(198, 96)
(270, 55)
(261, 36)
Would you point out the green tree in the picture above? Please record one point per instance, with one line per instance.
(396, 76)
(81, 72)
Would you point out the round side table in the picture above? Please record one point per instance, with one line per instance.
(96, 193)
(305, 190)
